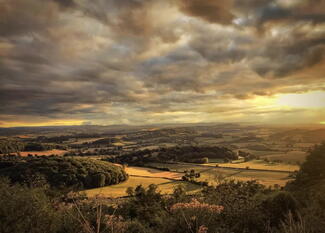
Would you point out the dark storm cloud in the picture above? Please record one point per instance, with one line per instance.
(275, 56)
(254, 12)
(220, 46)
(178, 71)
(282, 59)
(280, 14)
(249, 5)
(65, 3)
(277, 12)
(211, 11)
(127, 16)
(25, 16)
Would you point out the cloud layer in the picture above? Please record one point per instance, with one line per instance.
(152, 61)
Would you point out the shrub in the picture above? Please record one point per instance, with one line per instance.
(30, 210)
(278, 205)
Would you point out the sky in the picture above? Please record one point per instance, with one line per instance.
(79, 62)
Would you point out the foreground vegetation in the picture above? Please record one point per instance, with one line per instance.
(230, 207)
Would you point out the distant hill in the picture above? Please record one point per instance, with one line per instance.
(300, 135)
(104, 129)
(62, 172)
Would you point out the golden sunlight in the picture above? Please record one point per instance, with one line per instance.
(314, 99)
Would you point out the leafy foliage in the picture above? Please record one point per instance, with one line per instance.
(63, 172)
(31, 210)
(312, 171)
(8, 146)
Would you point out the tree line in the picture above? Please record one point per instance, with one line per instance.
(193, 154)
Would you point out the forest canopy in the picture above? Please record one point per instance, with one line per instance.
(62, 172)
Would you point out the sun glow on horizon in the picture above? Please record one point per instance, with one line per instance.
(308, 107)
(42, 124)
(315, 99)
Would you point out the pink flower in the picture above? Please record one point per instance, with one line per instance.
(202, 229)
(196, 205)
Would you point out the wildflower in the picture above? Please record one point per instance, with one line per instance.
(196, 205)
(116, 223)
(202, 229)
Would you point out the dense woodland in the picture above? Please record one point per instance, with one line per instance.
(192, 154)
(61, 172)
(9, 146)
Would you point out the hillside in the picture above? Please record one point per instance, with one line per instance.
(61, 172)
(300, 135)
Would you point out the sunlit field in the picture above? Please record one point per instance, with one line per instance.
(215, 175)
(259, 164)
(144, 177)
(46, 153)
(289, 157)
(141, 171)
(165, 186)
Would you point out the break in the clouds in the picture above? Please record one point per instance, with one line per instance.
(159, 61)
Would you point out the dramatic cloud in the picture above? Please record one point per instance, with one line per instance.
(155, 61)
(211, 11)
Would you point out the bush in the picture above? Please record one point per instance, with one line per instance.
(279, 205)
(24, 210)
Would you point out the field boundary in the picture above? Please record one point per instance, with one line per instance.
(234, 168)
(158, 177)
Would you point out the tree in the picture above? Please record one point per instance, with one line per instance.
(99, 180)
(310, 179)
(130, 191)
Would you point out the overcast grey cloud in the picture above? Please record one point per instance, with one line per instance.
(137, 61)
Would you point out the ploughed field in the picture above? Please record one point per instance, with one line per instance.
(166, 182)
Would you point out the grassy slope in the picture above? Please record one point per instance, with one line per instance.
(291, 156)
